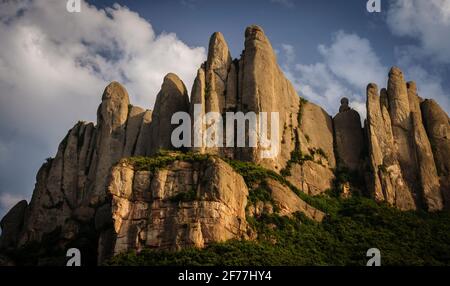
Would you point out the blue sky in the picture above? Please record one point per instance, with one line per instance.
(304, 24)
(54, 64)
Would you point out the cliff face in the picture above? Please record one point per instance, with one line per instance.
(403, 167)
(151, 209)
(174, 201)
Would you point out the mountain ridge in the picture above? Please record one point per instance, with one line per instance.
(400, 156)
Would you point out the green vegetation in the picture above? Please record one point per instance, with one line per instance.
(255, 175)
(343, 238)
(351, 227)
(164, 158)
(261, 193)
(297, 157)
(188, 196)
(207, 91)
(251, 172)
(302, 102)
(319, 152)
(49, 252)
(308, 139)
(344, 175)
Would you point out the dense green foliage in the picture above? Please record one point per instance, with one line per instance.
(351, 227)
(188, 196)
(164, 158)
(404, 238)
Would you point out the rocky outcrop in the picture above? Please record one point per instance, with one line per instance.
(143, 146)
(172, 98)
(311, 178)
(288, 202)
(312, 169)
(62, 184)
(256, 83)
(112, 117)
(71, 187)
(215, 93)
(400, 113)
(437, 125)
(133, 128)
(184, 204)
(217, 70)
(386, 181)
(348, 135)
(264, 88)
(90, 191)
(404, 171)
(253, 83)
(12, 224)
(198, 126)
(426, 167)
(316, 134)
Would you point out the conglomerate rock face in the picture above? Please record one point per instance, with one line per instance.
(437, 126)
(405, 170)
(184, 204)
(254, 83)
(349, 137)
(403, 152)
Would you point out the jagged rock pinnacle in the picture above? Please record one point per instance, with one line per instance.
(90, 185)
(172, 98)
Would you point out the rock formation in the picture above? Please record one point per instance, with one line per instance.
(290, 203)
(11, 225)
(437, 125)
(172, 98)
(93, 190)
(148, 209)
(403, 168)
(312, 169)
(348, 134)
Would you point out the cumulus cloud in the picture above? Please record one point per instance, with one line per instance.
(351, 58)
(348, 65)
(429, 85)
(427, 21)
(426, 62)
(54, 66)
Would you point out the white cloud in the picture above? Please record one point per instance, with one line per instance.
(352, 59)
(288, 53)
(429, 85)
(54, 66)
(348, 65)
(427, 21)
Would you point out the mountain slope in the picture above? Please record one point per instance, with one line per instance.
(112, 188)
